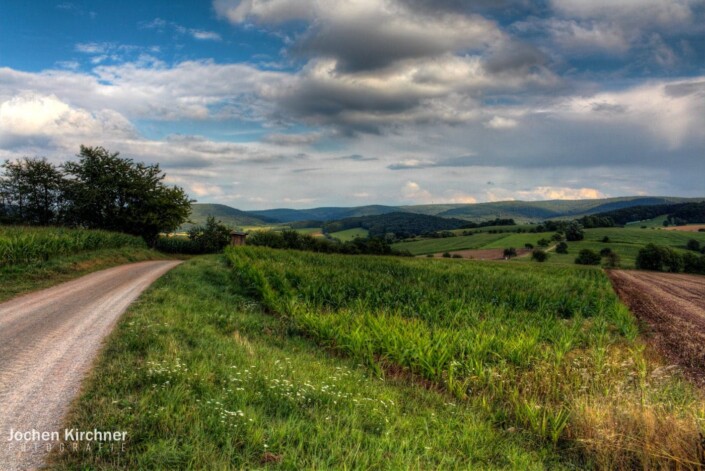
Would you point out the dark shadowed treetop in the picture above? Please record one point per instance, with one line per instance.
(106, 191)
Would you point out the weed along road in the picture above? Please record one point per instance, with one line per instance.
(48, 341)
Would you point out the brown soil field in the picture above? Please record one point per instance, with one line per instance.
(482, 254)
(688, 228)
(672, 308)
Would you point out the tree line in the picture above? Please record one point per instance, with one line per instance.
(100, 190)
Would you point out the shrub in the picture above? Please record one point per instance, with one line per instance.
(212, 237)
(557, 237)
(539, 255)
(653, 257)
(693, 245)
(605, 252)
(455, 255)
(510, 252)
(588, 257)
(543, 243)
(613, 260)
(574, 231)
(605, 240)
(446, 254)
(562, 247)
(529, 246)
(694, 263)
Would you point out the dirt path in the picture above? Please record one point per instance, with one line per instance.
(673, 308)
(48, 341)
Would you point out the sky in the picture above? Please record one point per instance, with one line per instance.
(304, 103)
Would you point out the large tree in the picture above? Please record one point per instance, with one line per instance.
(30, 191)
(106, 191)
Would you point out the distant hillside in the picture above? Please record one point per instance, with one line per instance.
(402, 225)
(521, 211)
(553, 209)
(323, 214)
(679, 213)
(226, 214)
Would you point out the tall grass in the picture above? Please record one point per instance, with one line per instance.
(24, 245)
(548, 349)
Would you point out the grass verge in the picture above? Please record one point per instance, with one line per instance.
(24, 278)
(201, 378)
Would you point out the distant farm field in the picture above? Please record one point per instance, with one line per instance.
(350, 234)
(426, 246)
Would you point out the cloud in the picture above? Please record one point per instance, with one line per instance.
(364, 35)
(29, 116)
(357, 158)
(302, 139)
(205, 35)
(162, 25)
(498, 122)
(560, 193)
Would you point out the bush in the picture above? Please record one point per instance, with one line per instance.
(510, 252)
(543, 243)
(605, 252)
(613, 260)
(605, 240)
(557, 237)
(588, 257)
(446, 254)
(455, 255)
(693, 245)
(212, 237)
(177, 244)
(574, 232)
(539, 255)
(529, 246)
(562, 247)
(653, 257)
(693, 263)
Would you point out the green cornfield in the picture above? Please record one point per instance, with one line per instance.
(23, 245)
(548, 350)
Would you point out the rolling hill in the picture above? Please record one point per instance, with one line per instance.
(226, 214)
(527, 211)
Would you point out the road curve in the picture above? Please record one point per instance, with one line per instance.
(48, 342)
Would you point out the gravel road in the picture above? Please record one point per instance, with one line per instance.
(48, 342)
(673, 308)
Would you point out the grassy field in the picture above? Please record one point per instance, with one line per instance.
(350, 234)
(655, 222)
(625, 242)
(309, 230)
(547, 350)
(202, 377)
(426, 246)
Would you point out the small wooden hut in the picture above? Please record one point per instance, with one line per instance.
(238, 238)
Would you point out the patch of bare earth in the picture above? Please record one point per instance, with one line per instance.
(688, 228)
(672, 307)
(483, 254)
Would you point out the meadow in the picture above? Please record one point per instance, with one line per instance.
(203, 377)
(548, 350)
(626, 242)
(350, 234)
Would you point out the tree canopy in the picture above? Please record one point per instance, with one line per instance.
(101, 190)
